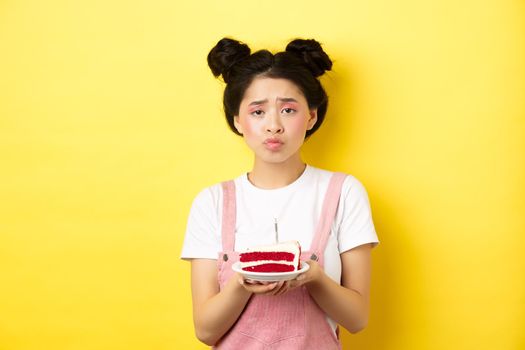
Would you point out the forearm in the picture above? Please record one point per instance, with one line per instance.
(345, 306)
(216, 315)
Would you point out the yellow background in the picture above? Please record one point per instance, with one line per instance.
(111, 122)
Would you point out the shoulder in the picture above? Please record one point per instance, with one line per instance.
(353, 185)
(208, 194)
(212, 195)
(318, 177)
(350, 183)
(208, 198)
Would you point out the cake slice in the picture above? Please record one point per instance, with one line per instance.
(279, 257)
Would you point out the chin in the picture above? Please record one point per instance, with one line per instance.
(275, 160)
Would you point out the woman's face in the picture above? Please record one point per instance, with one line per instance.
(273, 119)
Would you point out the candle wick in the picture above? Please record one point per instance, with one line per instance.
(276, 230)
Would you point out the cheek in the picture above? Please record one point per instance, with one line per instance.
(297, 126)
(248, 128)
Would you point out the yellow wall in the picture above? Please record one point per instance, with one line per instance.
(110, 123)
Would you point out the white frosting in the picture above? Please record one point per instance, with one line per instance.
(262, 262)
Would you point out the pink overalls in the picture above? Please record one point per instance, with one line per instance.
(289, 321)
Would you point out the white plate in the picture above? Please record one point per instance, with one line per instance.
(270, 276)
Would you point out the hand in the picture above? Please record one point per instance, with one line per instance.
(313, 275)
(262, 287)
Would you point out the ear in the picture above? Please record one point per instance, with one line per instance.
(312, 120)
(238, 125)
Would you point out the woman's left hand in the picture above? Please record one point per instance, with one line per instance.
(313, 274)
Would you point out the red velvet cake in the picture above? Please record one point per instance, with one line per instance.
(280, 257)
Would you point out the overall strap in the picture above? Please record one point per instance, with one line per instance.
(228, 215)
(331, 201)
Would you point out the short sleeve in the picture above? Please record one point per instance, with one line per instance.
(356, 224)
(202, 238)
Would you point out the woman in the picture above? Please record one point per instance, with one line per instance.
(275, 102)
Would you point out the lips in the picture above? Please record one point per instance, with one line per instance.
(273, 143)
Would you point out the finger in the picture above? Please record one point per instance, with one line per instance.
(292, 284)
(252, 282)
(297, 282)
(280, 289)
(285, 288)
(301, 277)
(262, 288)
(270, 287)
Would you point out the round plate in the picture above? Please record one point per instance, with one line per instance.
(270, 276)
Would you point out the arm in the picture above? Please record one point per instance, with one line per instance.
(347, 304)
(214, 311)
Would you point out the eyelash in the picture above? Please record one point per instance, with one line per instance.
(259, 112)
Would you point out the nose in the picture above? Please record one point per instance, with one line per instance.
(274, 124)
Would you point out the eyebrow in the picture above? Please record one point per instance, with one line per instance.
(282, 99)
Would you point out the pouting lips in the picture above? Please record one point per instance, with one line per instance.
(273, 144)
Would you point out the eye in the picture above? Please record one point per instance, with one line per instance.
(288, 110)
(257, 112)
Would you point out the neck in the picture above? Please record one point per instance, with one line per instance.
(275, 175)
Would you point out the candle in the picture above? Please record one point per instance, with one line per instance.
(276, 230)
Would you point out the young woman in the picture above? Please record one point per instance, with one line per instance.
(275, 101)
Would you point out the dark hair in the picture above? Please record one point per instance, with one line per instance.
(302, 63)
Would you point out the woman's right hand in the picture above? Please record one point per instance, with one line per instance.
(261, 287)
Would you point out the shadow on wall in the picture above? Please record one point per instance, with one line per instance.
(333, 138)
(390, 286)
(341, 138)
(396, 257)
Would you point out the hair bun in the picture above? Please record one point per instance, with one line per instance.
(225, 54)
(311, 52)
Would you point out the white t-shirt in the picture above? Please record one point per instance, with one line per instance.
(295, 207)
